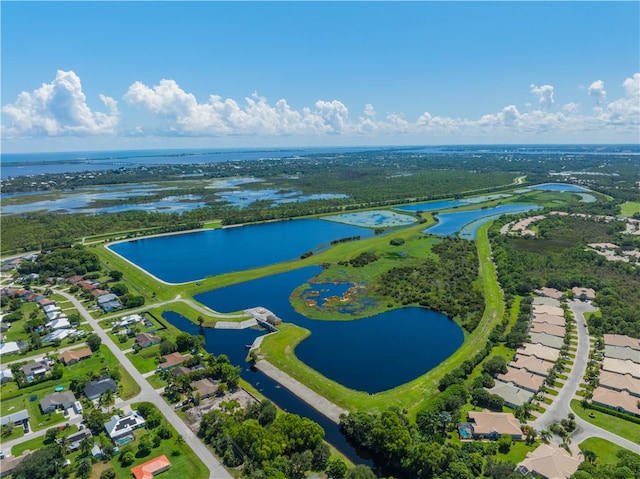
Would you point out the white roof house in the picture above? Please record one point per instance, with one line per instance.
(121, 426)
(9, 348)
(60, 323)
(50, 308)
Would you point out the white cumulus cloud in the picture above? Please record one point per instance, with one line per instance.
(596, 90)
(59, 108)
(544, 94)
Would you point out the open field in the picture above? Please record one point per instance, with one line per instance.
(605, 450)
(629, 208)
(616, 425)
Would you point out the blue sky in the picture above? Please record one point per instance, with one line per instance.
(100, 75)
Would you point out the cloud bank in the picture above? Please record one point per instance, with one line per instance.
(60, 108)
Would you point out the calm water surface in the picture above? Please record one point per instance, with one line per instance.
(188, 257)
(372, 354)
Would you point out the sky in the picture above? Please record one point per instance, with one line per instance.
(84, 76)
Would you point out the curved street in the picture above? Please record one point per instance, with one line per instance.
(561, 406)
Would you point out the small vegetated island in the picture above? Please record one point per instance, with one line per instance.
(519, 226)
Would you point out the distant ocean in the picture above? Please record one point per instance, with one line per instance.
(29, 164)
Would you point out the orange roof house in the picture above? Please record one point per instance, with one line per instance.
(72, 357)
(622, 341)
(548, 309)
(548, 318)
(173, 359)
(151, 468)
(550, 462)
(494, 424)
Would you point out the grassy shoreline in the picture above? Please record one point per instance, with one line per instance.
(279, 349)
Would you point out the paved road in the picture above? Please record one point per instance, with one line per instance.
(561, 407)
(216, 470)
(7, 445)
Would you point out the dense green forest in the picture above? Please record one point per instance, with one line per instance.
(559, 258)
(448, 283)
(62, 262)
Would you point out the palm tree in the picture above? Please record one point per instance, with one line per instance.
(590, 456)
(545, 436)
(107, 400)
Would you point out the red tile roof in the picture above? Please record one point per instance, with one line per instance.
(151, 468)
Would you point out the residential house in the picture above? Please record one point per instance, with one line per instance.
(492, 425)
(109, 302)
(129, 320)
(99, 292)
(620, 382)
(547, 309)
(50, 308)
(513, 395)
(619, 400)
(35, 370)
(549, 293)
(145, 340)
(8, 464)
(46, 302)
(540, 352)
(555, 342)
(72, 357)
(4, 327)
(554, 330)
(532, 364)
(548, 318)
(204, 387)
(6, 376)
(74, 279)
(172, 360)
(549, 462)
(16, 419)
(584, 293)
(119, 427)
(621, 366)
(541, 300)
(58, 334)
(61, 322)
(622, 341)
(12, 347)
(622, 352)
(59, 400)
(180, 371)
(151, 468)
(95, 389)
(74, 440)
(523, 378)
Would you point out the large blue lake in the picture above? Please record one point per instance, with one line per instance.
(188, 257)
(371, 354)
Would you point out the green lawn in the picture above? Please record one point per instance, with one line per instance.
(629, 208)
(616, 425)
(605, 450)
(145, 360)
